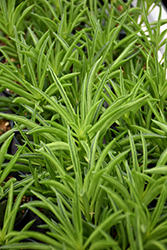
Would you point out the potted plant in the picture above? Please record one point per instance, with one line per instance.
(97, 170)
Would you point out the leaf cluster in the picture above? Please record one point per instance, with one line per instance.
(90, 109)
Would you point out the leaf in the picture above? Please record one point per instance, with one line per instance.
(145, 160)
(51, 130)
(75, 158)
(22, 100)
(17, 204)
(93, 151)
(163, 126)
(10, 165)
(125, 141)
(134, 153)
(108, 242)
(8, 210)
(33, 36)
(40, 59)
(63, 94)
(121, 203)
(71, 48)
(155, 244)
(116, 63)
(4, 149)
(117, 185)
(90, 80)
(60, 187)
(58, 108)
(83, 100)
(99, 89)
(153, 190)
(162, 159)
(157, 170)
(24, 13)
(62, 41)
(61, 215)
(111, 116)
(138, 232)
(92, 112)
(159, 232)
(61, 171)
(24, 121)
(159, 207)
(28, 245)
(57, 145)
(31, 72)
(107, 223)
(115, 160)
(77, 216)
(130, 232)
(50, 242)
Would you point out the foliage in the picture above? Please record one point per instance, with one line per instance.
(91, 112)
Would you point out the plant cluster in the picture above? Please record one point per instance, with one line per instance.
(86, 93)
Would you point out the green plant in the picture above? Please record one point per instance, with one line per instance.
(95, 108)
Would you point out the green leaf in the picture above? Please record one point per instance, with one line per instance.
(123, 55)
(28, 245)
(99, 89)
(109, 117)
(57, 145)
(159, 207)
(92, 113)
(63, 93)
(139, 241)
(157, 170)
(10, 165)
(58, 108)
(107, 223)
(40, 59)
(162, 159)
(22, 100)
(144, 152)
(17, 204)
(57, 131)
(60, 187)
(90, 79)
(62, 41)
(130, 232)
(24, 121)
(75, 158)
(121, 203)
(50, 242)
(93, 151)
(24, 13)
(100, 244)
(134, 153)
(153, 244)
(4, 149)
(118, 185)
(163, 126)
